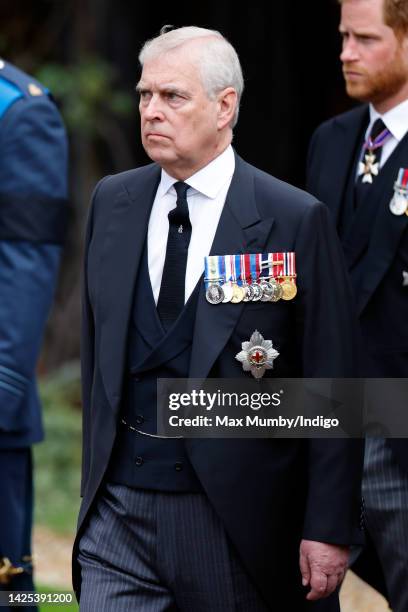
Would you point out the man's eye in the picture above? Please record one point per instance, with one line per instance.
(145, 95)
(172, 96)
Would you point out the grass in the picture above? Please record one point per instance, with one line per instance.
(57, 460)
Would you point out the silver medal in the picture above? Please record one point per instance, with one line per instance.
(228, 292)
(399, 203)
(267, 291)
(257, 292)
(249, 293)
(278, 291)
(214, 294)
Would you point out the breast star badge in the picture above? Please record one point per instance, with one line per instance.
(257, 355)
(368, 168)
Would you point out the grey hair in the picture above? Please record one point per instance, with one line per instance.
(218, 61)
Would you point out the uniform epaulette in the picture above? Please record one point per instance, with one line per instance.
(15, 84)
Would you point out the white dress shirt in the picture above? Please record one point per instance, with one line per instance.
(206, 199)
(396, 121)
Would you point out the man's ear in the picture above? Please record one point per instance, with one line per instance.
(227, 102)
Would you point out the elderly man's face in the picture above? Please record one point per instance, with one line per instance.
(375, 61)
(179, 123)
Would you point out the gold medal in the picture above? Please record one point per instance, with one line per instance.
(238, 294)
(289, 289)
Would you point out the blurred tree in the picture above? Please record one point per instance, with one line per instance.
(92, 108)
(55, 41)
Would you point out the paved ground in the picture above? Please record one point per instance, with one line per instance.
(357, 596)
(52, 557)
(53, 562)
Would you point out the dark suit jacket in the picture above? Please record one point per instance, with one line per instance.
(269, 493)
(375, 243)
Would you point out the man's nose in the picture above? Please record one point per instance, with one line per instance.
(152, 110)
(349, 51)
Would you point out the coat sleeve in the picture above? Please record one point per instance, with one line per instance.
(33, 196)
(87, 346)
(327, 328)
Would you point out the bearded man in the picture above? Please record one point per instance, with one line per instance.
(358, 166)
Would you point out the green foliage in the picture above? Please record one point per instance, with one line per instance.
(87, 91)
(58, 458)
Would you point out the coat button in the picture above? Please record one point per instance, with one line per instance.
(139, 461)
(139, 419)
(178, 466)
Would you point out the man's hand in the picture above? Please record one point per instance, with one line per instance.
(322, 566)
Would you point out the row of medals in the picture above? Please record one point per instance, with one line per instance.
(263, 291)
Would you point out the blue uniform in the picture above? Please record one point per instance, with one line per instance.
(33, 197)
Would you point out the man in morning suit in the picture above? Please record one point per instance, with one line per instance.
(33, 197)
(182, 525)
(356, 165)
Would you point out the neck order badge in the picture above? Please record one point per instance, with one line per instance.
(370, 165)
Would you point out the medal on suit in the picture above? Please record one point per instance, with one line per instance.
(404, 278)
(238, 292)
(249, 292)
(257, 355)
(399, 201)
(213, 279)
(214, 294)
(246, 276)
(268, 290)
(369, 167)
(225, 264)
(289, 288)
(270, 266)
(255, 272)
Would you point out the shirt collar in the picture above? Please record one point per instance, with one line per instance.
(210, 179)
(395, 119)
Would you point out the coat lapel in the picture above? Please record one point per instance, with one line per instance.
(346, 137)
(387, 228)
(240, 230)
(120, 259)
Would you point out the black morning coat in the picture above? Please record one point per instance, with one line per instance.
(375, 244)
(269, 493)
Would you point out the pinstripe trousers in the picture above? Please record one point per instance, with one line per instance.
(385, 492)
(151, 551)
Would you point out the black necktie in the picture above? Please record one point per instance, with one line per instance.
(172, 288)
(370, 158)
